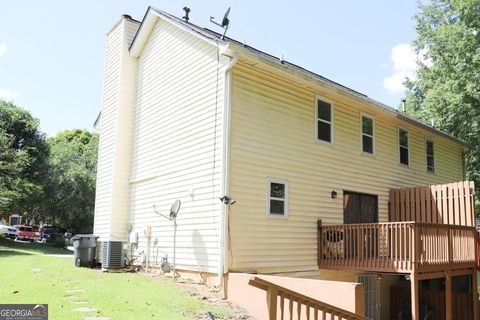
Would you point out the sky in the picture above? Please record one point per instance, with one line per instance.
(52, 51)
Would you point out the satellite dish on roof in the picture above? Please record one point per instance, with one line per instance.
(174, 209)
(225, 22)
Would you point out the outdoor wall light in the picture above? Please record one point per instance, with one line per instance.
(334, 194)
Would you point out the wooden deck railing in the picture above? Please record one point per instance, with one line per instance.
(287, 304)
(396, 247)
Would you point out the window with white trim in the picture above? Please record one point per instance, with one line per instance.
(430, 154)
(403, 146)
(277, 197)
(324, 121)
(368, 143)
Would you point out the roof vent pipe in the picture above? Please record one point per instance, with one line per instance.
(403, 107)
(186, 11)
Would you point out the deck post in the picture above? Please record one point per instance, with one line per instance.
(448, 295)
(272, 303)
(414, 287)
(475, 294)
(320, 241)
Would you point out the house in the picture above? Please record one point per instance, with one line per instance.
(11, 219)
(189, 115)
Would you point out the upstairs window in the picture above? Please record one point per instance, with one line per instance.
(324, 121)
(403, 144)
(367, 135)
(277, 202)
(429, 148)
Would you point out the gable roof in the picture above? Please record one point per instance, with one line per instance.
(215, 38)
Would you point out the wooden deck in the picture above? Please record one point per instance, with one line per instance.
(403, 247)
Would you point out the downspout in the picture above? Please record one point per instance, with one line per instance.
(225, 172)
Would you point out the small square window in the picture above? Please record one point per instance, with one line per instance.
(277, 202)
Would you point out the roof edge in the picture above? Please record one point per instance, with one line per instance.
(148, 22)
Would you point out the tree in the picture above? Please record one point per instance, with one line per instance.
(70, 186)
(447, 87)
(23, 154)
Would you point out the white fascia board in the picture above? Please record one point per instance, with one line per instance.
(151, 18)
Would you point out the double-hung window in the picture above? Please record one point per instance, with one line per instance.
(368, 142)
(277, 200)
(429, 149)
(403, 146)
(324, 121)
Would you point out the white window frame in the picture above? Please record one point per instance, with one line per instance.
(332, 138)
(362, 115)
(408, 147)
(426, 155)
(271, 180)
(14, 216)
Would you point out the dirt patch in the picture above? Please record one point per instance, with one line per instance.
(202, 292)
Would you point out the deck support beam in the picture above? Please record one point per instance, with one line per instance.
(414, 287)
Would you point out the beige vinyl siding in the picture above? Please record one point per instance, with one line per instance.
(273, 135)
(178, 147)
(116, 124)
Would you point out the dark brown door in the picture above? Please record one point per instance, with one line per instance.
(359, 208)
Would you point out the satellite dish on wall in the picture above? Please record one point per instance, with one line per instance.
(174, 209)
(172, 217)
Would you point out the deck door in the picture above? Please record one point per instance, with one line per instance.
(359, 208)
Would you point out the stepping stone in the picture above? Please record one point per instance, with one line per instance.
(85, 309)
(36, 270)
(74, 290)
(80, 302)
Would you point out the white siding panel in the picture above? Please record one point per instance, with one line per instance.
(103, 199)
(177, 146)
(116, 127)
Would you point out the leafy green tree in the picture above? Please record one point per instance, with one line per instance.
(23, 154)
(447, 87)
(70, 186)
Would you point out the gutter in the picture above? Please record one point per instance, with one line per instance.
(223, 245)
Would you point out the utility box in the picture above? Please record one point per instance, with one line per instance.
(113, 255)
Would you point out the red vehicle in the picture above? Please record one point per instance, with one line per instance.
(26, 233)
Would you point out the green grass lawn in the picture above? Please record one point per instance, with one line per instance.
(29, 275)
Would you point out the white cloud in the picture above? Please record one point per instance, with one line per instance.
(3, 49)
(7, 94)
(404, 65)
(403, 57)
(395, 82)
